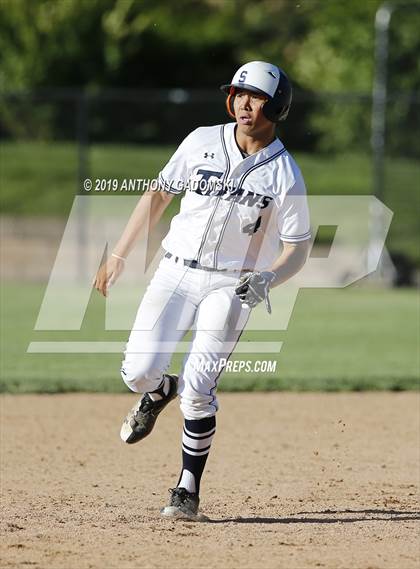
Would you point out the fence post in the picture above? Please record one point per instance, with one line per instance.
(378, 132)
(83, 173)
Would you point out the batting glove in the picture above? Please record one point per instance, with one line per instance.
(253, 288)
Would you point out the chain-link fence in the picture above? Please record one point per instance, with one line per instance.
(317, 121)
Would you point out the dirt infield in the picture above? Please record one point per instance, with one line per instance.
(293, 481)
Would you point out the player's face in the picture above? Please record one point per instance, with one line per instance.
(248, 112)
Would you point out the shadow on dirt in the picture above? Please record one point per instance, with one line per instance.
(340, 516)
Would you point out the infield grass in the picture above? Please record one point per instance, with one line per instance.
(349, 339)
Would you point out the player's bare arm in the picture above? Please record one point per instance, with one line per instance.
(147, 213)
(290, 262)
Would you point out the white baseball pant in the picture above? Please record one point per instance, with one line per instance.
(178, 299)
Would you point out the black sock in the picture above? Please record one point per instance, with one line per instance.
(196, 441)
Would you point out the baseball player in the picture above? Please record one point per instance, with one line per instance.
(243, 228)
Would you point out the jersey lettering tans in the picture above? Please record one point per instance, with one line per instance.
(235, 210)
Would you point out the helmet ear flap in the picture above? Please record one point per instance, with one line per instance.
(229, 102)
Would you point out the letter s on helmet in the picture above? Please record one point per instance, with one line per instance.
(266, 79)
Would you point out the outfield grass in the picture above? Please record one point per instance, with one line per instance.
(350, 339)
(42, 179)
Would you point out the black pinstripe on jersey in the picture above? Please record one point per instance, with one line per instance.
(226, 174)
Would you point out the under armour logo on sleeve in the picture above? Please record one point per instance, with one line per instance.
(208, 155)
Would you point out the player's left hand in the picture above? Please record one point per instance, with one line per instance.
(253, 288)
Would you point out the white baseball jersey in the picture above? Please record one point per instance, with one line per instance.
(235, 210)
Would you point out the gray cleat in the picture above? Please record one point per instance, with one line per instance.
(183, 505)
(141, 419)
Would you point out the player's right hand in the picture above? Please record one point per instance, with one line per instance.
(107, 274)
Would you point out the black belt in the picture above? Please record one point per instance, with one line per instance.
(192, 264)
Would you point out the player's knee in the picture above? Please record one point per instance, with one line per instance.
(141, 375)
(132, 380)
(198, 406)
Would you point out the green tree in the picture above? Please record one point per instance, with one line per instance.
(326, 46)
(337, 56)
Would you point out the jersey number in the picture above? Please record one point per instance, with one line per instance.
(252, 227)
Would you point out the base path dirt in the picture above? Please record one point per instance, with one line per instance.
(293, 481)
